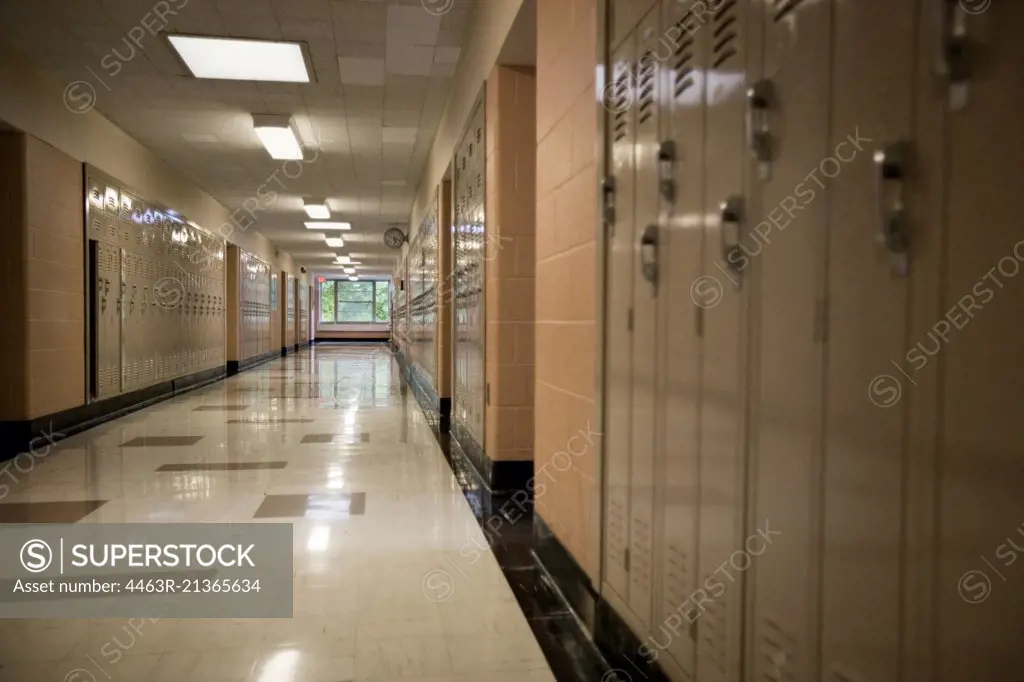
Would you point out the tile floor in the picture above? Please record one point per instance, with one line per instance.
(384, 589)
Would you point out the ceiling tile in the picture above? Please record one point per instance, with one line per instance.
(361, 71)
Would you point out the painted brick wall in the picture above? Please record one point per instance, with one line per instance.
(56, 287)
(566, 261)
(510, 261)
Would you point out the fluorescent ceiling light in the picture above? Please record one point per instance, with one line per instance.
(353, 278)
(277, 133)
(328, 225)
(335, 242)
(242, 60)
(343, 259)
(350, 271)
(317, 209)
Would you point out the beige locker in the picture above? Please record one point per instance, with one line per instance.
(625, 15)
(621, 130)
(786, 389)
(979, 585)
(648, 207)
(682, 54)
(864, 478)
(722, 299)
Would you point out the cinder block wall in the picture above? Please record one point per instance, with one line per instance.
(566, 274)
(510, 262)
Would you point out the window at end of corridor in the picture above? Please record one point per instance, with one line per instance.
(362, 302)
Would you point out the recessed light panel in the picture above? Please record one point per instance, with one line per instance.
(328, 225)
(278, 136)
(241, 60)
(317, 209)
(335, 242)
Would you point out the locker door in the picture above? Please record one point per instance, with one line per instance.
(872, 97)
(647, 217)
(682, 52)
(787, 389)
(624, 17)
(618, 310)
(722, 301)
(106, 341)
(980, 585)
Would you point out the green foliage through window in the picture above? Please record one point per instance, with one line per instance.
(344, 301)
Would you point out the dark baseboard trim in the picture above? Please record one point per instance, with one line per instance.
(501, 476)
(357, 340)
(18, 436)
(617, 642)
(236, 366)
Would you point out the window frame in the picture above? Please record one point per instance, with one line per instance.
(338, 284)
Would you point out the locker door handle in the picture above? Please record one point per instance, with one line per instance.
(760, 102)
(649, 254)
(891, 164)
(731, 216)
(955, 59)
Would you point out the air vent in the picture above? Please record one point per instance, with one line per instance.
(784, 8)
(725, 36)
(645, 86)
(682, 73)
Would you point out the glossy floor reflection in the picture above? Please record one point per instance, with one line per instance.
(393, 578)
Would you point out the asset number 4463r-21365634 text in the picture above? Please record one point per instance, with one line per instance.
(192, 585)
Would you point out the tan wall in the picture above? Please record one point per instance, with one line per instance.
(489, 25)
(566, 276)
(510, 262)
(30, 100)
(56, 274)
(13, 295)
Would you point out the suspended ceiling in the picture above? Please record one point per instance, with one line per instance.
(382, 70)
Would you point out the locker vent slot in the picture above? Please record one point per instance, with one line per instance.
(620, 105)
(725, 34)
(645, 86)
(784, 8)
(683, 69)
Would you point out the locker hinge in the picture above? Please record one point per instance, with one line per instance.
(625, 560)
(699, 321)
(629, 320)
(821, 321)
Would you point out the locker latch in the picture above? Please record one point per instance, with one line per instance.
(956, 54)
(760, 102)
(891, 163)
(731, 217)
(608, 201)
(649, 254)
(666, 166)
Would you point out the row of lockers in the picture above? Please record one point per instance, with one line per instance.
(812, 334)
(469, 389)
(254, 305)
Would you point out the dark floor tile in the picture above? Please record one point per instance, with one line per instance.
(364, 437)
(48, 512)
(312, 506)
(161, 441)
(317, 438)
(221, 466)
